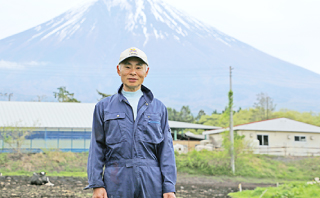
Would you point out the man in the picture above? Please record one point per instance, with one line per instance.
(131, 138)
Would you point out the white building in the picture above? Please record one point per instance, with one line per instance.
(56, 125)
(280, 136)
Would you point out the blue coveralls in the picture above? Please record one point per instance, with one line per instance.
(138, 155)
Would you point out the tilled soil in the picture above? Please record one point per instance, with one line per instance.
(19, 186)
(72, 187)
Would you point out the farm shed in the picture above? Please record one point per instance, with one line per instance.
(54, 125)
(279, 136)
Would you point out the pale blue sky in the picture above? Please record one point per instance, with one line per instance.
(286, 29)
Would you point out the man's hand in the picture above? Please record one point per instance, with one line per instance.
(169, 195)
(99, 193)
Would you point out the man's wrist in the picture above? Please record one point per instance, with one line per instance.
(166, 188)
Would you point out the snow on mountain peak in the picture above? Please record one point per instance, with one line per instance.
(151, 18)
(66, 26)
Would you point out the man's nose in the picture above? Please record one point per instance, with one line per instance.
(133, 72)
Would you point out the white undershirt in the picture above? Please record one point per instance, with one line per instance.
(133, 99)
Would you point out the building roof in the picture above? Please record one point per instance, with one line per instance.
(188, 134)
(60, 115)
(46, 114)
(186, 125)
(277, 124)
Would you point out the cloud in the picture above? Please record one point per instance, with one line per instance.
(19, 66)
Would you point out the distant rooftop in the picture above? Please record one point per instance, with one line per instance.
(277, 124)
(61, 115)
(194, 136)
(186, 125)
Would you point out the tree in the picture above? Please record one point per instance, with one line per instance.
(210, 120)
(15, 136)
(64, 96)
(264, 106)
(307, 117)
(103, 95)
(244, 116)
(215, 112)
(200, 114)
(173, 114)
(186, 115)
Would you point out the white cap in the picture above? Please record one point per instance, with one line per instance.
(133, 52)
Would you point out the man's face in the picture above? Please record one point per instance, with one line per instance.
(132, 72)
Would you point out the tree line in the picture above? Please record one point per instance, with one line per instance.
(262, 109)
(62, 95)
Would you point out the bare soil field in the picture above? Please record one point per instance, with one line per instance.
(72, 187)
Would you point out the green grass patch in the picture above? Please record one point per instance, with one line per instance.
(288, 190)
(55, 163)
(249, 167)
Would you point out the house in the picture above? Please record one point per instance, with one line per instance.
(63, 126)
(279, 136)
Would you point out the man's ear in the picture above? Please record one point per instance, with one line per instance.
(147, 71)
(118, 69)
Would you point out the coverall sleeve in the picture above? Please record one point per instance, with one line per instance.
(97, 149)
(166, 157)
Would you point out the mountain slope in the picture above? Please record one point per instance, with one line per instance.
(189, 60)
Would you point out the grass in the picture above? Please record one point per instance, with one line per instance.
(249, 167)
(288, 190)
(54, 163)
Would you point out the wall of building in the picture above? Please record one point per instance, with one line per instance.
(216, 139)
(284, 144)
(65, 139)
(189, 143)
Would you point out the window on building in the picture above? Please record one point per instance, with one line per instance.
(263, 140)
(300, 138)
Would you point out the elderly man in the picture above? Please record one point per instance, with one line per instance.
(131, 138)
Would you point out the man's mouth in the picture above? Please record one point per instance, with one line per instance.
(132, 79)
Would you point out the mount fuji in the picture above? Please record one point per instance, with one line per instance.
(189, 60)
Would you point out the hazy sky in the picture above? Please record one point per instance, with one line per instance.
(286, 29)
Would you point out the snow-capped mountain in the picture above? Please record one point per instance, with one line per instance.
(189, 60)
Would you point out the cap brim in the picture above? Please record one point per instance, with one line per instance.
(132, 57)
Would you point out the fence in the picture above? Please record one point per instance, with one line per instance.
(38, 141)
(287, 150)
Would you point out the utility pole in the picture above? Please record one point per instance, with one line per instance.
(9, 97)
(267, 106)
(231, 123)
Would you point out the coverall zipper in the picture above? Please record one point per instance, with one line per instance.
(134, 126)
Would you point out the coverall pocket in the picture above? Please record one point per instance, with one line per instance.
(114, 127)
(153, 132)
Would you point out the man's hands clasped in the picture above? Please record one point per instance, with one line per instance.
(99, 193)
(169, 195)
(102, 193)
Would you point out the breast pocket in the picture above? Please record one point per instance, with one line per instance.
(114, 127)
(153, 131)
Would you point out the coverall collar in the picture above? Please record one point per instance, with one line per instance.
(146, 93)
